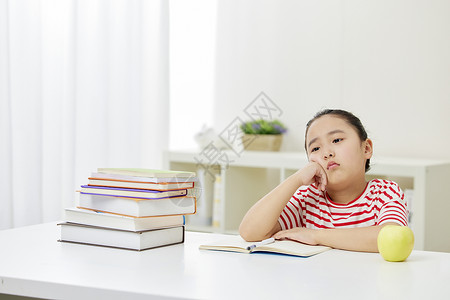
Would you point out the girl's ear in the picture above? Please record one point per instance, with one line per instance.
(368, 148)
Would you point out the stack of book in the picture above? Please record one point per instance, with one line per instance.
(134, 209)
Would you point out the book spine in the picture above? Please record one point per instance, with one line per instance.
(131, 193)
(132, 197)
(114, 183)
(143, 191)
(136, 208)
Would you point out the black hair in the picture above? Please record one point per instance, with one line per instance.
(349, 118)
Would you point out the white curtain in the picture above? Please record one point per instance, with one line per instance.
(83, 84)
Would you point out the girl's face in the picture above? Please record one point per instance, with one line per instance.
(335, 145)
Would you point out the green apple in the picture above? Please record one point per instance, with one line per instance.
(395, 243)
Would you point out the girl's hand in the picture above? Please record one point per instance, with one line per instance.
(313, 173)
(299, 234)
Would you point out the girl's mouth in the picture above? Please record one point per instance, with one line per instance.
(331, 165)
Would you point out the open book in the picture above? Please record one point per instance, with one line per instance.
(234, 243)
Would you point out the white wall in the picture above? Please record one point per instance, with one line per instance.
(386, 61)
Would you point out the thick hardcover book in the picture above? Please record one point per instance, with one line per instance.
(133, 193)
(102, 219)
(136, 207)
(133, 240)
(235, 243)
(163, 186)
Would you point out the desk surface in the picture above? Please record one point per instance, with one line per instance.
(33, 263)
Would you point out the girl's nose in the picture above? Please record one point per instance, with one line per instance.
(328, 154)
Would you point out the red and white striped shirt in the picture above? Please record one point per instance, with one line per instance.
(382, 201)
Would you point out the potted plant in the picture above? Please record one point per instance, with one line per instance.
(263, 135)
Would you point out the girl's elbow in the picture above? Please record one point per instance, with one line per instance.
(245, 232)
(248, 233)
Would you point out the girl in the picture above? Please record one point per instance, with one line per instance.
(329, 202)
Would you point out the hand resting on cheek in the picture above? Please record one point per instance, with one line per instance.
(313, 173)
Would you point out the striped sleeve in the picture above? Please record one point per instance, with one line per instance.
(394, 207)
(290, 216)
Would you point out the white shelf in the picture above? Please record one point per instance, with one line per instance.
(248, 176)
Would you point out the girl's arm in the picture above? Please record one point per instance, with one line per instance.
(354, 239)
(261, 221)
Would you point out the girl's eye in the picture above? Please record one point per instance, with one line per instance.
(337, 140)
(314, 149)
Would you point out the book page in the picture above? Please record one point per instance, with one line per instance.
(292, 248)
(230, 243)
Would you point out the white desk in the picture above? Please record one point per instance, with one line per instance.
(34, 264)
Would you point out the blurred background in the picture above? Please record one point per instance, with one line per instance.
(88, 84)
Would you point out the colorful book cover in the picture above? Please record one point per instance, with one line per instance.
(131, 193)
